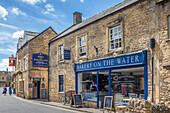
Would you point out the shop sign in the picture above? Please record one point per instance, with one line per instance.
(126, 60)
(29, 85)
(40, 59)
(43, 85)
(12, 61)
(37, 79)
(66, 54)
(43, 93)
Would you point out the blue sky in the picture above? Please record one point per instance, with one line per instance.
(37, 15)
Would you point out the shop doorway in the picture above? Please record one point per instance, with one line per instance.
(36, 89)
(103, 86)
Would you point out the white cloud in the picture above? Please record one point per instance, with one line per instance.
(84, 18)
(3, 13)
(81, 1)
(7, 51)
(9, 26)
(18, 34)
(49, 7)
(17, 12)
(4, 64)
(32, 2)
(63, 0)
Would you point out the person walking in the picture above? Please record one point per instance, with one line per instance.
(4, 90)
(10, 90)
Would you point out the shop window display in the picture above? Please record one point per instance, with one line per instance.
(87, 85)
(128, 84)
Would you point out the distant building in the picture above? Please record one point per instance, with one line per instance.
(32, 64)
(5, 78)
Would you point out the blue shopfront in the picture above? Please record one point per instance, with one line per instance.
(123, 77)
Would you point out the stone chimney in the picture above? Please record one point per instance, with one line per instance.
(77, 18)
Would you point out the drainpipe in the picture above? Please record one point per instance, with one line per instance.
(48, 67)
(152, 46)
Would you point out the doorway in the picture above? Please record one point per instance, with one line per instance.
(103, 86)
(36, 89)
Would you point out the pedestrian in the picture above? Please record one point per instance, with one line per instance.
(4, 90)
(10, 90)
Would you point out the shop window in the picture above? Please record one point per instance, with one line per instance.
(127, 83)
(87, 85)
(82, 46)
(61, 53)
(115, 37)
(61, 83)
(21, 84)
(169, 26)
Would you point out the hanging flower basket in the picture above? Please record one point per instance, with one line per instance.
(16, 73)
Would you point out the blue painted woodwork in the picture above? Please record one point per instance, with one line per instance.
(39, 59)
(126, 60)
(67, 55)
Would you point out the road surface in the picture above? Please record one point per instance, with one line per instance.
(10, 104)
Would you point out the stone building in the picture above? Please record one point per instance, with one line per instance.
(5, 78)
(110, 54)
(32, 64)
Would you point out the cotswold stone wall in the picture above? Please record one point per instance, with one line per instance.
(140, 22)
(37, 45)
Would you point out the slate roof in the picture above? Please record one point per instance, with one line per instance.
(96, 17)
(35, 37)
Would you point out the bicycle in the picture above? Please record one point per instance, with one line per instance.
(67, 97)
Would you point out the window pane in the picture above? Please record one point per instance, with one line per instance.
(116, 35)
(120, 44)
(116, 45)
(112, 46)
(84, 50)
(112, 37)
(119, 28)
(119, 34)
(111, 31)
(115, 29)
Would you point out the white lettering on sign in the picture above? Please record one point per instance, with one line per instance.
(132, 59)
(118, 60)
(136, 58)
(123, 61)
(128, 59)
(109, 62)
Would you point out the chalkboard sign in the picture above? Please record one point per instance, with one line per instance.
(108, 103)
(43, 93)
(30, 85)
(78, 101)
